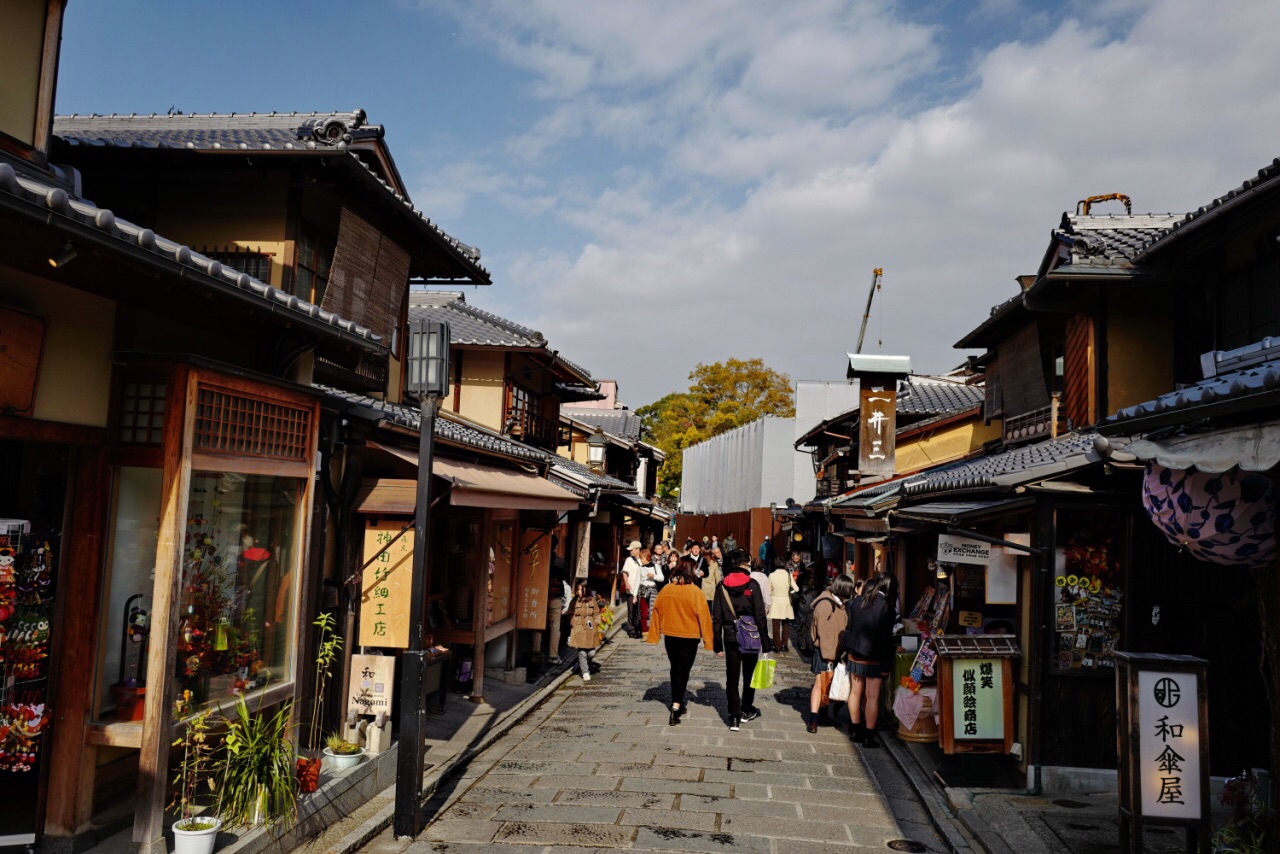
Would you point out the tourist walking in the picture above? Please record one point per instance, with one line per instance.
(681, 618)
(738, 618)
(868, 645)
(829, 620)
(650, 575)
(711, 576)
(761, 578)
(629, 587)
(780, 611)
(584, 620)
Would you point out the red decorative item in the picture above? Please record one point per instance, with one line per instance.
(308, 775)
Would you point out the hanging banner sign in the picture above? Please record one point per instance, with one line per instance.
(387, 584)
(956, 549)
(1169, 744)
(532, 575)
(978, 694)
(878, 419)
(372, 684)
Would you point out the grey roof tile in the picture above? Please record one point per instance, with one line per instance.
(53, 202)
(606, 482)
(1111, 240)
(217, 130)
(470, 325)
(918, 396)
(622, 423)
(1266, 176)
(408, 416)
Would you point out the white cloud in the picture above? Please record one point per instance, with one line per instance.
(791, 163)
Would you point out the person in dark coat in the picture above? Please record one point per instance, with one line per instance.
(738, 595)
(868, 646)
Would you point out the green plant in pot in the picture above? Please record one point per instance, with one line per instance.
(259, 782)
(329, 645)
(342, 753)
(195, 832)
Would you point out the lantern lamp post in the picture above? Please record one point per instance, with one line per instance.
(427, 377)
(596, 443)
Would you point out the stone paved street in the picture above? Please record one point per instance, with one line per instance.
(596, 767)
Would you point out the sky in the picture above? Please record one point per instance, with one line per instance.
(659, 183)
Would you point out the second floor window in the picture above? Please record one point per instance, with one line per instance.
(1247, 306)
(314, 257)
(525, 419)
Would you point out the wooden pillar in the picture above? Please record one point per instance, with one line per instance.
(480, 607)
(153, 758)
(70, 794)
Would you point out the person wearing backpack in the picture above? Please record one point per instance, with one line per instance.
(738, 621)
(828, 620)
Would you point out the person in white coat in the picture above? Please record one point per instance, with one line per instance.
(632, 573)
(781, 613)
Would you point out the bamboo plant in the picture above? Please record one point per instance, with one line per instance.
(327, 651)
(259, 782)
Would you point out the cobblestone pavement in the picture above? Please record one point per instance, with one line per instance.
(597, 768)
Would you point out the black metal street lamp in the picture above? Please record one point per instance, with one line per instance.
(427, 377)
(596, 443)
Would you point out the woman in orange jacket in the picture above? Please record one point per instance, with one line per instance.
(681, 616)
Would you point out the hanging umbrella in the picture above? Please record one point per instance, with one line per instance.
(1227, 518)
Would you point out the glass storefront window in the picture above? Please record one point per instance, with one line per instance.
(131, 561)
(235, 630)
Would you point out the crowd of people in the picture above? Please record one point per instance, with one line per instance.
(742, 607)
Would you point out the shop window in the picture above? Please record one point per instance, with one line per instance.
(142, 412)
(1089, 583)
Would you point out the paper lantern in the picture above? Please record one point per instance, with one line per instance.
(1228, 518)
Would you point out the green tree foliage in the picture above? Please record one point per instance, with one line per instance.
(721, 396)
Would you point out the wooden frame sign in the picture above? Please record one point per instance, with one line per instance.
(533, 572)
(1163, 746)
(975, 693)
(385, 588)
(877, 428)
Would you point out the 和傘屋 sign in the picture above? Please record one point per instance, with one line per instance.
(956, 549)
(1169, 744)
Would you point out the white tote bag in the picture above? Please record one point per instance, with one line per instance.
(839, 691)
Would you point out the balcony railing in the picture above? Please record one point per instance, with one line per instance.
(533, 429)
(1036, 424)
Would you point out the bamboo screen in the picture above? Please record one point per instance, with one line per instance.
(229, 423)
(368, 278)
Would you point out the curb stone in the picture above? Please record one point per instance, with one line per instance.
(961, 838)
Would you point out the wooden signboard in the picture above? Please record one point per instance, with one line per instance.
(532, 576)
(878, 418)
(21, 349)
(975, 688)
(372, 684)
(386, 585)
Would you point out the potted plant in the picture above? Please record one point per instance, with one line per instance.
(329, 645)
(193, 832)
(259, 773)
(342, 753)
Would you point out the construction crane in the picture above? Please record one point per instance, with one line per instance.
(875, 286)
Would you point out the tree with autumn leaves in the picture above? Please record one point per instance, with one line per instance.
(721, 397)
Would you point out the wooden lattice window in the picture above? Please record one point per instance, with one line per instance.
(255, 263)
(232, 423)
(142, 412)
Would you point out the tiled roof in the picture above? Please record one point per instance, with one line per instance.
(58, 207)
(918, 396)
(1261, 375)
(622, 423)
(298, 132)
(474, 326)
(1267, 176)
(580, 472)
(470, 325)
(446, 428)
(1020, 465)
(261, 131)
(1111, 240)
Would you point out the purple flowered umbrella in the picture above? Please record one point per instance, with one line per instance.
(1227, 518)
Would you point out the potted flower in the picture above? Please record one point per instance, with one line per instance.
(194, 832)
(259, 782)
(329, 645)
(342, 753)
(1252, 826)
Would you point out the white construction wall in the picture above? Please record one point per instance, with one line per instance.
(752, 466)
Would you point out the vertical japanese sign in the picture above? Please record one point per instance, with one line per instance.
(978, 696)
(372, 684)
(386, 585)
(532, 575)
(877, 427)
(1169, 744)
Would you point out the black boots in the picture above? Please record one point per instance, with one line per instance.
(857, 733)
(675, 716)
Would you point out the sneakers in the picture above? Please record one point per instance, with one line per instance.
(735, 724)
(750, 714)
(586, 677)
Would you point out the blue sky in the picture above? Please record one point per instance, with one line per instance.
(659, 183)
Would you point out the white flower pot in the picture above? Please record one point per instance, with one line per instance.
(339, 761)
(196, 841)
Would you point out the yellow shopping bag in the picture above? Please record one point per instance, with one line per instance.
(762, 676)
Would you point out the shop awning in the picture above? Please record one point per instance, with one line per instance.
(947, 511)
(859, 525)
(473, 485)
(1253, 448)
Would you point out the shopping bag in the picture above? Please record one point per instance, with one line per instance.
(762, 676)
(824, 687)
(839, 691)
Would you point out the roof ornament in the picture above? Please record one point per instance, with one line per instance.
(1082, 206)
(335, 130)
